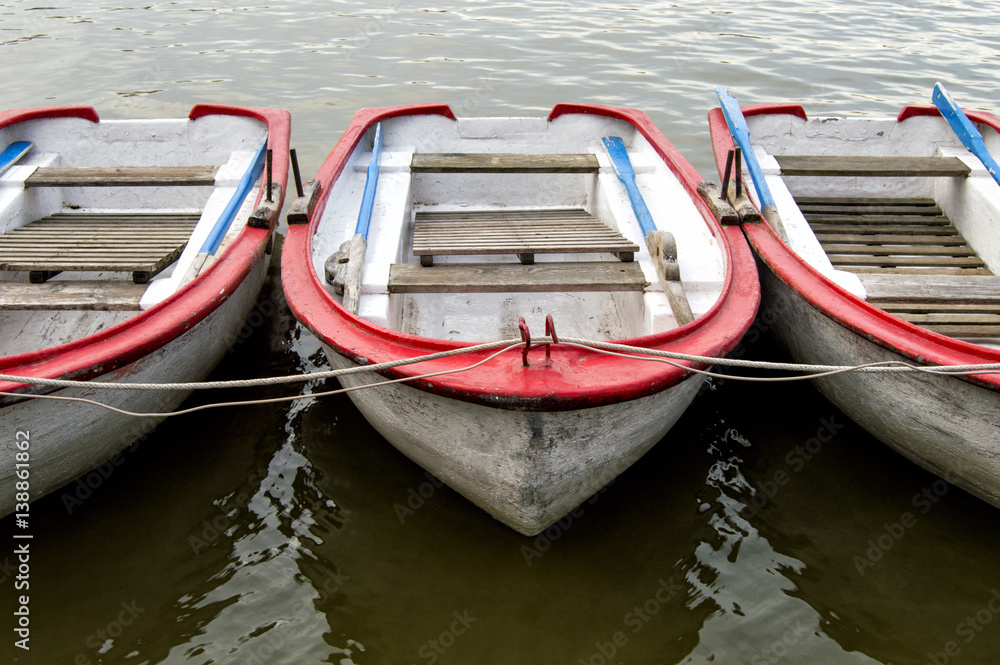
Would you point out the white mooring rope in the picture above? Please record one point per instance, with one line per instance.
(803, 371)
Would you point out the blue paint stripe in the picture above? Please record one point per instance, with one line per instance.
(246, 183)
(623, 167)
(741, 133)
(12, 153)
(371, 184)
(966, 131)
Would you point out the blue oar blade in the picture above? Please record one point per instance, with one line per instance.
(246, 183)
(964, 129)
(619, 156)
(623, 168)
(13, 153)
(371, 184)
(734, 116)
(741, 134)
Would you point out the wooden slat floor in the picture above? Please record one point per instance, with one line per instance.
(914, 263)
(142, 244)
(521, 232)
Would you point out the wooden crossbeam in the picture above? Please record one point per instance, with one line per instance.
(122, 176)
(884, 289)
(71, 295)
(900, 249)
(897, 261)
(514, 277)
(503, 163)
(817, 165)
(806, 201)
(906, 239)
(874, 229)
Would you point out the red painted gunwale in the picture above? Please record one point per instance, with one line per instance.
(910, 341)
(144, 333)
(576, 378)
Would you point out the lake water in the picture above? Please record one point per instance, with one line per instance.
(765, 529)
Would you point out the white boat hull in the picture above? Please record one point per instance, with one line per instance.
(526, 468)
(68, 439)
(946, 425)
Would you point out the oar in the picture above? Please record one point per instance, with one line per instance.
(741, 134)
(346, 265)
(225, 220)
(966, 131)
(13, 153)
(661, 245)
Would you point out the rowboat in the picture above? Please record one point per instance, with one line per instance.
(880, 243)
(131, 251)
(444, 232)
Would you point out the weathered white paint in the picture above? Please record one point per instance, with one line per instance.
(69, 439)
(399, 196)
(972, 203)
(946, 425)
(526, 468)
(228, 142)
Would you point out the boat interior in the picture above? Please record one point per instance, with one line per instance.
(99, 221)
(900, 214)
(478, 222)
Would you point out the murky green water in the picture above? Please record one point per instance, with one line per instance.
(767, 529)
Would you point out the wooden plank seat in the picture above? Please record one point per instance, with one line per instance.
(898, 236)
(819, 165)
(515, 277)
(961, 306)
(503, 163)
(99, 295)
(521, 232)
(122, 176)
(142, 244)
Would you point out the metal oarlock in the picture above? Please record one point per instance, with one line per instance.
(526, 338)
(727, 173)
(739, 171)
(295, 173)
(269, 178)
(550, 331)
(733, 159)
